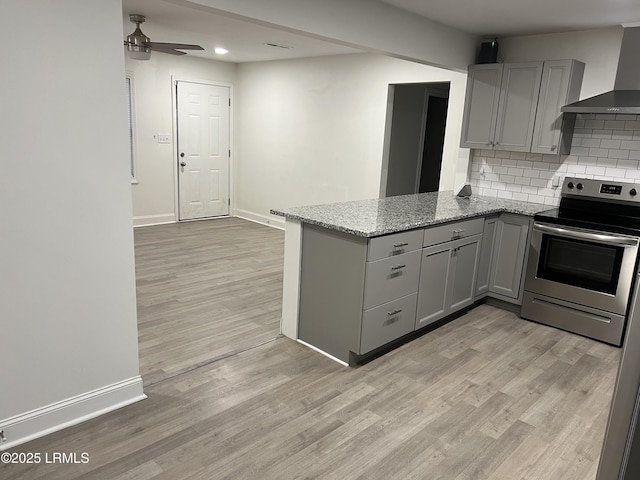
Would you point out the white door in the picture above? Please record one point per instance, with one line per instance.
(203, 150)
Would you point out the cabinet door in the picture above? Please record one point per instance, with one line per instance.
(434, 284)
(519, 91)
(481, 105)
(512, 236)
(464, 268)
(561, 82)
(486, 255)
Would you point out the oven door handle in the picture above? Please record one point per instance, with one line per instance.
(578, 234)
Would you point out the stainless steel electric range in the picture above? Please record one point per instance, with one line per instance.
(583, 259)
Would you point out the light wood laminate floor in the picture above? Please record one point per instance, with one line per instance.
(487, 396)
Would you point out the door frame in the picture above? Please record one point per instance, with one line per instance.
(174, 127)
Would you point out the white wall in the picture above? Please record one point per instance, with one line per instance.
(312, 130)
(368, 24)
(68, 330)
(154, 192)
(598, 49)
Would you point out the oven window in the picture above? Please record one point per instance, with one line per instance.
(583, 264)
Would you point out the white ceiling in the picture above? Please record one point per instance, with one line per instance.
(168, 22)
(522, 17)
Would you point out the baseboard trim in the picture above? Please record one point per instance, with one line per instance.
(268, 220)
(146, 220)
(72, 411)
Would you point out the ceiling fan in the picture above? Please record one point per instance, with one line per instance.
(139, 45)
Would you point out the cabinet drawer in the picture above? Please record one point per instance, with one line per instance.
(395, 244)
(452, 231)
(391, 278)
(387, 322)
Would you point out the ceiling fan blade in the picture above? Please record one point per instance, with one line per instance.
(172, 46)
(168, 50)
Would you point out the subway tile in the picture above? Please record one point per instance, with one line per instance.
(618, 153)
(551, 201)
(492, 177)
(598, 152)
(507, 195)
(615, 172)
(586, 116)
(579, 123)
(630, 144)
(602, 133)
(530, 190)
(518, 155)
(498, 186)
(483, 183)
(523, 197)
(626, 116)
(628, 164)
(502, 154)
(606, 143)
(576, 169)
(622, 134)
(507, 178)
(595, 170)
(536, 198)
(546, 175)
(552, 158)
(633, 174)
(604, 116)
(517, 172)
(507, 162)
(514, 187)
(570, 159)
(632, 125)
(607, 162)
(592, 142)
(531, 173)
(582, 132)
(525, 164)
(534, 157)
(594, 124)
(615, 124)
(539, 182)
(475, 167)
(588, 161)
(476, 175)
(541, 165)
(523, 181)
(487, 192)
(487, 153)
(634, 155)
(500, 169)
(579, 151)
(493, 161)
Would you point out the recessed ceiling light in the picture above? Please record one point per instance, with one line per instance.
(221, 51)
(276, 45)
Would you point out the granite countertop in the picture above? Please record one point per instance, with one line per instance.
(381, 216)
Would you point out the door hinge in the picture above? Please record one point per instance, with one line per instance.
(229, 201)
(229, 152)
(229, 102)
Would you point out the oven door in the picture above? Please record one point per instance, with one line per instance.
(586, 267)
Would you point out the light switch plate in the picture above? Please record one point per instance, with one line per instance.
(164, 138)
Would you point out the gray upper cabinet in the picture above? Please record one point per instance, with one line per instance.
(561, 83)
(517, 107)
(500, 106)
(481, 105)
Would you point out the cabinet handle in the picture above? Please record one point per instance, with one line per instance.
(395, 312)
(489, 143)
(553, 147)
(398, 267)
(399, 245)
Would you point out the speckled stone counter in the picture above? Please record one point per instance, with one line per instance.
(375, 217)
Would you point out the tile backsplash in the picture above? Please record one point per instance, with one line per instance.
(604, 146)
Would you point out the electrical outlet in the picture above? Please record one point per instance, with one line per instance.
(556, 181)
(164, 138)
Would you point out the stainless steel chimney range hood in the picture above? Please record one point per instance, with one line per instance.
(625, 97)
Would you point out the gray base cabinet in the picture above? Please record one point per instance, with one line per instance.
(502, 258)
(447, 279)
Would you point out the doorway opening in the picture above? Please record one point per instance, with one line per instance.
(414, 138)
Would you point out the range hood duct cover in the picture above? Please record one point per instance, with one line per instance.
(625, 98)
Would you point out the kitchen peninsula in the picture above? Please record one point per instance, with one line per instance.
(359, 275)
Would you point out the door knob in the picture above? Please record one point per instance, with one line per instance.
(181, 154)
(183, 164)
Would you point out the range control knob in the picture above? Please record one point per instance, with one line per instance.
(633, 192)
(579, 186)
(570, 185)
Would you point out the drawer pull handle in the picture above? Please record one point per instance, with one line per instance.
(395, 312)
(399, 245)
(398, 267)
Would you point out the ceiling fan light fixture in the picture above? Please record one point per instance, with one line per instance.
(220, 51)
(137, 41)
